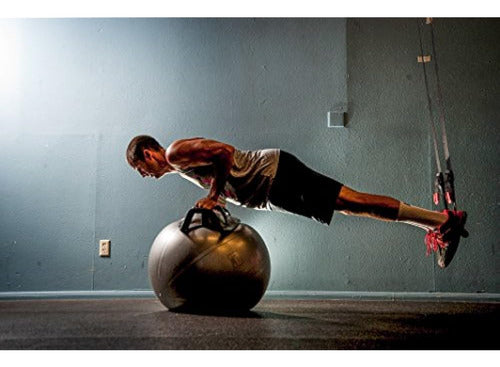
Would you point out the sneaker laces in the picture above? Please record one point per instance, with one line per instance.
(433, 241)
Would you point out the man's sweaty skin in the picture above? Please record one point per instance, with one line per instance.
(189, 153)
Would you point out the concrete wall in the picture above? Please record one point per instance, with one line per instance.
(387, 98)
(78, 89)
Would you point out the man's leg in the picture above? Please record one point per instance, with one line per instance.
(352, 202)
(443, 229)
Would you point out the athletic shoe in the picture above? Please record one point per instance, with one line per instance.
(433, 241)
(450, 232)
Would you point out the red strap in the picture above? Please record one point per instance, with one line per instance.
(435, 197)
(448, 198)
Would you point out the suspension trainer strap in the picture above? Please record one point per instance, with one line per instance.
(449, 186)
(439, 179)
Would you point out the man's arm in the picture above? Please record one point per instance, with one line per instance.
(188, 153)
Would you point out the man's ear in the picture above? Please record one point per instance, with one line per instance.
(148, 154)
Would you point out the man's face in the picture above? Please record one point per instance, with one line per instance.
(150, 168)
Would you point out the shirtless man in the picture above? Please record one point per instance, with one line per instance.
(272, 179)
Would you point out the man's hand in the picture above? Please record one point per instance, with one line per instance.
(191, 153)
(206, 203)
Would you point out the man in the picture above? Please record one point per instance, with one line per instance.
(273, 179)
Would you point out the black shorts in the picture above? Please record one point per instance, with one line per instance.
(298, 189)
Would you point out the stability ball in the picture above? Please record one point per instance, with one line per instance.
(209, 261)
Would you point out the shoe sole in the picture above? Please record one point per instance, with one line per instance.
(447, 254)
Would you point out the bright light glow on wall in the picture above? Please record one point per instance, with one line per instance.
(9, 67)
(9, 55)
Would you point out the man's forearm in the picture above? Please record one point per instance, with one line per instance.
(222, 168)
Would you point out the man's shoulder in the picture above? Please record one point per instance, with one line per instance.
(178, 142)
(174, 147)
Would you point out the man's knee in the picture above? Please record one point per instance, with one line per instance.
(350, 200)
(355, 201)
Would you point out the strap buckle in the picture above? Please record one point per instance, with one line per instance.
(438, 187)
(449, 186)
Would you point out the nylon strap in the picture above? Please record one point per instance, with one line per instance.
(440, 103)
(429, 103)
(444, 184)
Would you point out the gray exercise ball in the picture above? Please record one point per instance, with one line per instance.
(209, 261)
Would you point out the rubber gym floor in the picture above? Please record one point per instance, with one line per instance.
(143, 324)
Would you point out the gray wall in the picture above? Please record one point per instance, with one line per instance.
(76, 91)
(391, 146)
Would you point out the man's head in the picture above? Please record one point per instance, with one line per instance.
(147, 156)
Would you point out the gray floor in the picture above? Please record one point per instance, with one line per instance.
(272, 324)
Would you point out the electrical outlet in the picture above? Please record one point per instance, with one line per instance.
(104, 248)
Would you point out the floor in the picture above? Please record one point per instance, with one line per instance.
(273, 324)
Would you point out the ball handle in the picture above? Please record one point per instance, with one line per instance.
(210, 220)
